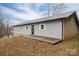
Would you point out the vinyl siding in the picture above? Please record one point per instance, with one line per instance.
(23, 30)
(52, 29)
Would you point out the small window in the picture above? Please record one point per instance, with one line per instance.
(26, 27)
(42, 26)
(21, 27)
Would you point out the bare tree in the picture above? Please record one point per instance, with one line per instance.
(1, 27)
(56, 8)
(8, 28)
(4, 25)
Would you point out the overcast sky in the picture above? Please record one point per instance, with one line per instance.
(18, 12)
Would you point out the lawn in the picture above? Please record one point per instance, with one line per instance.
(25, 46)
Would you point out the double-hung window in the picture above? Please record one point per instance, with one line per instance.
(42, 26)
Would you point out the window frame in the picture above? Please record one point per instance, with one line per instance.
(21, 27)
(26, 27)
(44, 25)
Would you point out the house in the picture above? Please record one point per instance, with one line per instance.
(59, 26)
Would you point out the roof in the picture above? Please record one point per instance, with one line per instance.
(54, 17)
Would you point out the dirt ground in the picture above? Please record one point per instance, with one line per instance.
(24, 46)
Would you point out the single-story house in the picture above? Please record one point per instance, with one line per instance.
(59, 26)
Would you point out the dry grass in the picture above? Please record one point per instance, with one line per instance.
(22, 46)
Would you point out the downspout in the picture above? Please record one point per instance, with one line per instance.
(62, 29)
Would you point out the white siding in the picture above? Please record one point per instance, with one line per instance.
(25, 31)
(52, 29)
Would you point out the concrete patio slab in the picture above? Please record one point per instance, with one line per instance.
(46, 39)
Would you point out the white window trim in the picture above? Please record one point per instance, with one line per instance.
(44, 26)
(21, 27)
(27, 27)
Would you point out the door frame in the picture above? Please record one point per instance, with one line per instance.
(32, 29)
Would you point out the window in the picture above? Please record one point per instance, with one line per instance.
(26, 27)
(21, 27)
(42, 26)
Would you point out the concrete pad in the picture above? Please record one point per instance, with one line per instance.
(46, 39)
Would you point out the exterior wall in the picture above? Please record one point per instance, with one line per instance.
(70, 27)
(20, 31)
(52, 29)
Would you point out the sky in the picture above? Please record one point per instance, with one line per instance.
(20, 12)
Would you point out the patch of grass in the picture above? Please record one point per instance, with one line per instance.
(27, 46)
(74, 38)
(72, 42)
